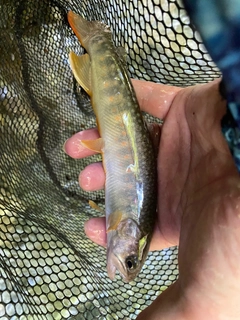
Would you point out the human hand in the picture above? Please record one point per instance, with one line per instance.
(198, 199)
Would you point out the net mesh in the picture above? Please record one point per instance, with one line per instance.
(48, 268)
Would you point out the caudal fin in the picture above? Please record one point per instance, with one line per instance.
(85, 29)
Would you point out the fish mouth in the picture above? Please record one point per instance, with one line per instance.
(117, 264)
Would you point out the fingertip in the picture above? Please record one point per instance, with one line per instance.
(155, 98)
(95, 230)
(73, 146)
(92, 178)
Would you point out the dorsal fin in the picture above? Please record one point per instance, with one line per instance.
(81, 68)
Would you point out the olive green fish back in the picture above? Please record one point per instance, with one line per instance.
(48, 268)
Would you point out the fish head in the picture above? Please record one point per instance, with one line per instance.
(127, 250)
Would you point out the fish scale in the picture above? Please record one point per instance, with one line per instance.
(126, 148)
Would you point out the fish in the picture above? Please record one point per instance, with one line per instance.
(127, 151)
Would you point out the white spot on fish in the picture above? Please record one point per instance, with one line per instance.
(140, 196)
(130, 168)
(125, 118)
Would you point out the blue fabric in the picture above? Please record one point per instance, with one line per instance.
(218, 22)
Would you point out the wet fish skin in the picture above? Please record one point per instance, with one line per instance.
(125, 145)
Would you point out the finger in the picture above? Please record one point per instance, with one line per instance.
(155, 98)
(95, 229)
(75, 149)
(92, 178)
(158, 242)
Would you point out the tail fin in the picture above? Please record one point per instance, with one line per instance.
(85, 29)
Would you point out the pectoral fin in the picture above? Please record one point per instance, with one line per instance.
(81, 68)
(94, 206)
(141, 245)
(114, 220)
(94, 145)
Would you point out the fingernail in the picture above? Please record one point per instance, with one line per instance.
(63, 147)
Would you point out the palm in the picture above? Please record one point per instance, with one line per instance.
(198, 192)
(193, 154)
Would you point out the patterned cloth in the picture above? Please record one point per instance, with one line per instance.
(218, 22)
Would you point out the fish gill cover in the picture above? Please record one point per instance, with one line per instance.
(48, 268)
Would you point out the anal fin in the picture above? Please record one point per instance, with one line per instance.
(94, 145)
(94, 206)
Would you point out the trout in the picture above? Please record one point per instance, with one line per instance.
(125, 145)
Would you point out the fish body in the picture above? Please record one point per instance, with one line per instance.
(125, 145)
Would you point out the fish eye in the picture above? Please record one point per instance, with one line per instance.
(131, 262)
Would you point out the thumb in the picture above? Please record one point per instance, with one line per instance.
(167, 306)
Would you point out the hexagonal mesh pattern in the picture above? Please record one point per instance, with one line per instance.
(48, 268)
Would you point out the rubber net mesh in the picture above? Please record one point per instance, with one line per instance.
(48, 268)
